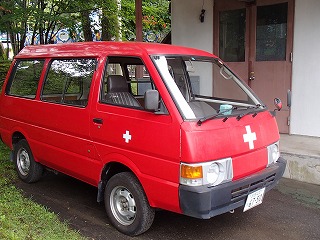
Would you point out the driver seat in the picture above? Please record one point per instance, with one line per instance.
(118, 92)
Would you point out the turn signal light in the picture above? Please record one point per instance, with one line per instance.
(191, 172)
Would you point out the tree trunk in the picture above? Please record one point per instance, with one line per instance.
(109, 20)
(106, 27)
(86, 26)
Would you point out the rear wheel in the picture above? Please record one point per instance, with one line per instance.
(27, 168)
(127, 206)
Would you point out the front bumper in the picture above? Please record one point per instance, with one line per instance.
(206, 201)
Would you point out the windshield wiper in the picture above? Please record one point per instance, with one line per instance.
(252, 109)
(202, 120)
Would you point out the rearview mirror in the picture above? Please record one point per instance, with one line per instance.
(225, 73)
(190, 67)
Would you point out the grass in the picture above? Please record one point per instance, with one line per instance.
(20, 217)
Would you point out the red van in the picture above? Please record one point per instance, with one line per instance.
(151, 126)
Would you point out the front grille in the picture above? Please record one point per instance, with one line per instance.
(242, 192)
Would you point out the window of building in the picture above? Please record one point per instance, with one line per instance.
(232, 28)
(271, 32)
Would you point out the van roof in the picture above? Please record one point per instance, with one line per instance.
(87, 49)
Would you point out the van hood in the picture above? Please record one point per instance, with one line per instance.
(243, 140)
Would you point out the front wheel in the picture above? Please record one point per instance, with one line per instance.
(126, 204)
(28, 169)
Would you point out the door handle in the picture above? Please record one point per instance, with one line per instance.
(98, 120)
(251, 76)
(289, 98)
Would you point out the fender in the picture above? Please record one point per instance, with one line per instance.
(9, 137)
(122, 159)
(160, 193)
(105, 173)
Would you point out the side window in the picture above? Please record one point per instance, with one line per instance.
(25, 78)
(68, 81)
(139, 78)
(125, 82)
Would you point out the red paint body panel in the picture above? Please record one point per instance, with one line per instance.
(88, 49)
(66, 139)
(216, 139)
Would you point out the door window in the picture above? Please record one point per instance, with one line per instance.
(271, 32)
(140, 79)
(125, 82)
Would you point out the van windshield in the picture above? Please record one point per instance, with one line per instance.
(203, 87)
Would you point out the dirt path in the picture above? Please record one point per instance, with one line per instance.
(281, 216)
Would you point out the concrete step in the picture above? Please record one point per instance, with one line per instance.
(303, 157)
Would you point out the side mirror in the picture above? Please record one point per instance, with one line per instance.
(278, 104)
(151, 100)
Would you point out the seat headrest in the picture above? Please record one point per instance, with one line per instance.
(117, 83)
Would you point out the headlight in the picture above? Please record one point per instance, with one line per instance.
(273, 153)
(207, 173)
(213, 173)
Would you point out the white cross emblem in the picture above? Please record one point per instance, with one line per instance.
(127, 136)
(249, 137)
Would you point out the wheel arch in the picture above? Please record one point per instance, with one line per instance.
(113, 164)
(110, 169)
(17, 136)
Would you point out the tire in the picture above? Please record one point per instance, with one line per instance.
(126, 204)
(27, 168)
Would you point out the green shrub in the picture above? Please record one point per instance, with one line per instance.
(4, 67)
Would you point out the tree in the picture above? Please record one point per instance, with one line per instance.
(156, 17)
(86, 25)
(44, 18)
(10, 20)
(109, 20)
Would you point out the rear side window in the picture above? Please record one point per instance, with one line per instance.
(25, 78)
(68, 81)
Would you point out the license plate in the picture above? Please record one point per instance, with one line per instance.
(254, 199)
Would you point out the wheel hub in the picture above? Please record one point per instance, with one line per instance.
(123, 205)
(23, 162)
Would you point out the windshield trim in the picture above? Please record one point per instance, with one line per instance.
(182, 104)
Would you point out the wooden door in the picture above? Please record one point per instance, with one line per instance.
(255, 39)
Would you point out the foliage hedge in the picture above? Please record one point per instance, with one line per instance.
(4, 67)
